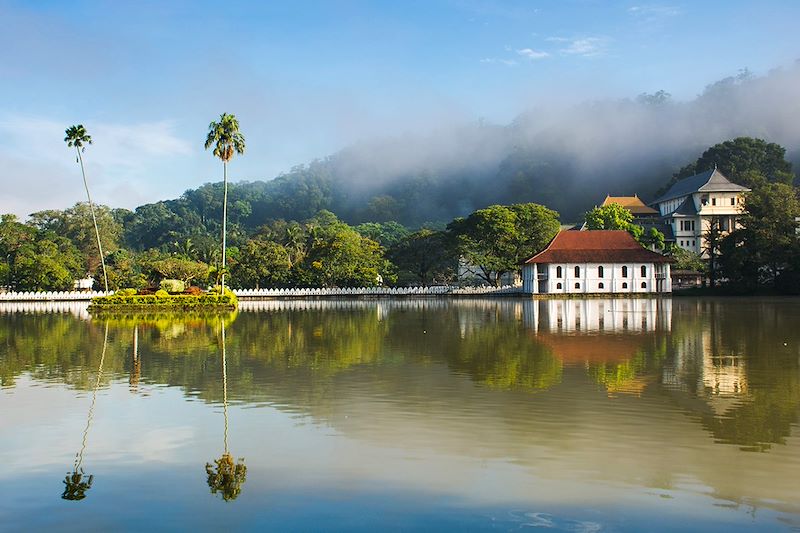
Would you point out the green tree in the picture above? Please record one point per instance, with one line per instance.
(387, 234)
(335, 255)
(686, 259)
(497, 239)
(47, 265)
(14, 235)
(609, 217)
(617, 217)
(764, 247)
(743, 160)
(185, 270)
(227, 141)
(261, 263)
(78, 225)
(77, 137)
(428, 256)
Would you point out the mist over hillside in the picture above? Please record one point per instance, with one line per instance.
(567, 158)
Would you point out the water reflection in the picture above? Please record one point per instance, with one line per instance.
(75, 486)
(225, 476)
(522, 400)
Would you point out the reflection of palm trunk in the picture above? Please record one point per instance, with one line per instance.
(75, 486)
(136, 364)
(224, 386)
(225, 476)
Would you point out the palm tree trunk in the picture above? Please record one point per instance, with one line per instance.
(224, 217)
(94, 219)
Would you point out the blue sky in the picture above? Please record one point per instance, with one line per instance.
(309, 78)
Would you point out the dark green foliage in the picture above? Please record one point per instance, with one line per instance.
(743, 160)
(685, 260)
(497, 239)
(225, 477)
(616, 217)
(387, 234)
(425, 257)
(261, 263)
(765, 251)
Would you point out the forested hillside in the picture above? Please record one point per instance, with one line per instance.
(405, 209)
(567, 159)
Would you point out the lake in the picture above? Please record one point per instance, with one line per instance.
(424, 414)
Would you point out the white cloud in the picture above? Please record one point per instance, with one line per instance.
(532, 54)
(499, 61)
(586, 46)
(39, 171)
(654, 11)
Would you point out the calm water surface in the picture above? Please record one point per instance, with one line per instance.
(505, 414)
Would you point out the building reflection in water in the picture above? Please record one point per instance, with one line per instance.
(607, 315)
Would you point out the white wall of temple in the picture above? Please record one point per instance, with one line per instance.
(590, 278)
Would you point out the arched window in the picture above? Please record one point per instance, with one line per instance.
(624, 285)
(624, 272)
(558, 285)
(577, 272)
(600, 272)
(600, 285)
(644, 271)
(577, 285)
(644, 285)
(559, 272)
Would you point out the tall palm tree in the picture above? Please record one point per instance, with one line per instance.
(227, 141)
(77, 137)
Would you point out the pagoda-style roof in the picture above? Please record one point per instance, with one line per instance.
(632, 204)
(709, 181)
(596, 246)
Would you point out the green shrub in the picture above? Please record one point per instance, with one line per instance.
(164, 301)
(126, 292)
(172, 286)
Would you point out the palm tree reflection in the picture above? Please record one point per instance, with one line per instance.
(75, 483)
(226, 476)
(136, 363)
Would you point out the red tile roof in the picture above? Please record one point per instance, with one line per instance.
(596, 246)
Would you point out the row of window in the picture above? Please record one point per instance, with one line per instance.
(704, 201)
(600, 285)
(686, 243)
(687, 225)
(600, 272)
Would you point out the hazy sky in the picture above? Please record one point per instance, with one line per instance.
(309, 78)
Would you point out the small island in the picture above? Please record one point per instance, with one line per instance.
(171, 296)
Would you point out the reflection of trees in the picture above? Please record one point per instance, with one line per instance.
(295, 356)
(75, 484)
(751, 332)
(503, 356)
(632, 373)
(224, 476)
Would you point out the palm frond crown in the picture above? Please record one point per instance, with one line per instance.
(225, 137)
(77, 137)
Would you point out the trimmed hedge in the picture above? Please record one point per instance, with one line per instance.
(160, 301)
